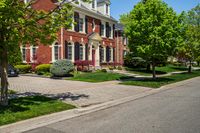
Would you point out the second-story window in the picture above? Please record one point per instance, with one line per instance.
(102, 30)
(110, 31)
(81, 24)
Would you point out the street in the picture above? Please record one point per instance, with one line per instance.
(175, 110)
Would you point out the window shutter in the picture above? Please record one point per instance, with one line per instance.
(86, 25)
(107, 29)
(66, 50)
(86, 51)
(76, 19)
(107, 54)
(114, 54)
(113, 30)
(77, 51)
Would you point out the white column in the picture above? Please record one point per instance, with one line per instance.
(97, 57)
(73, 52)
(111, 55)
(83, 52)
(90, 52)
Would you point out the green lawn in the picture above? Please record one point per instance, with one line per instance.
(159, 70)
(29, 107)
(97, 77)
(161, 81)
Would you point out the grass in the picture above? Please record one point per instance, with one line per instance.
(159, 70)
(148, 82)
(97, 77)
(29, 107)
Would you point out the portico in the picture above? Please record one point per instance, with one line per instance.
(95, 41)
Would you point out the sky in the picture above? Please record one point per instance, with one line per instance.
(119, 7)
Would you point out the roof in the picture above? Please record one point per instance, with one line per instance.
(96, 12)
(95, 36)
(106, 1)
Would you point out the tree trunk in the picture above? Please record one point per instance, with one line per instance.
(198, 63)
(190, 67)
(148, 67)
(4, 77)
(154, 70)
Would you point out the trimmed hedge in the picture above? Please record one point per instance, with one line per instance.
(42, 69)
(23, 68)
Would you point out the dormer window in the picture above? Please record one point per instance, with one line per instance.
(93, 4)
(107, 8)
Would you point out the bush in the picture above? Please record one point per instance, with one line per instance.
(62, 68)
(134, 62)
(23, 68)
(119, 68)
(103, 70)
(42, 69)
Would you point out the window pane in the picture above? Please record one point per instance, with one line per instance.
(69, 52)
(23, 54)
(102, 30)
(81, 53)
(81, 24)
(56, 52)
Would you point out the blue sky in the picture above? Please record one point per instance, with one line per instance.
(119, 7)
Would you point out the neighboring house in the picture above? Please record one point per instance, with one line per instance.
(94, 38)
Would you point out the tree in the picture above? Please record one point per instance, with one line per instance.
(20, 24)
(152, 30)
(190, 48)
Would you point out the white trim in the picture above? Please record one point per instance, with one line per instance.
(21, 47)
(31, 52)
(53, 51)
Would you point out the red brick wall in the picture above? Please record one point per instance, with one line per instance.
(44, 53)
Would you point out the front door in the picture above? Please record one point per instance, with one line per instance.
(93, 57)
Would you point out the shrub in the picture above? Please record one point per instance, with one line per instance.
(43, 68)
(23, 68)
(61, 68)
(103, 70)
(134, 62)
(119, 68)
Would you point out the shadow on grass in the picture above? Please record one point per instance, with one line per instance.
(143, 70)
(179, 68)
(147, 79)
(21, 104)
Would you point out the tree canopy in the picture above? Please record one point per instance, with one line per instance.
(152, 28)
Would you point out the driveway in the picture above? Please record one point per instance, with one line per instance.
(81, 94)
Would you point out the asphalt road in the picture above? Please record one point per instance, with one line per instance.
(172, 111)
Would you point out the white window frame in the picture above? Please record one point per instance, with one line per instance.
(31, 52)
(104, 24)
(53, 51)
(69, 46)
(81, 50)
(82, 16)
(24, 60)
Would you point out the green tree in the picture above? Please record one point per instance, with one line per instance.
(190, 46)
(152, 30)
(20, 24)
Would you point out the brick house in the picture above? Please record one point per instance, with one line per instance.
(97, 37)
